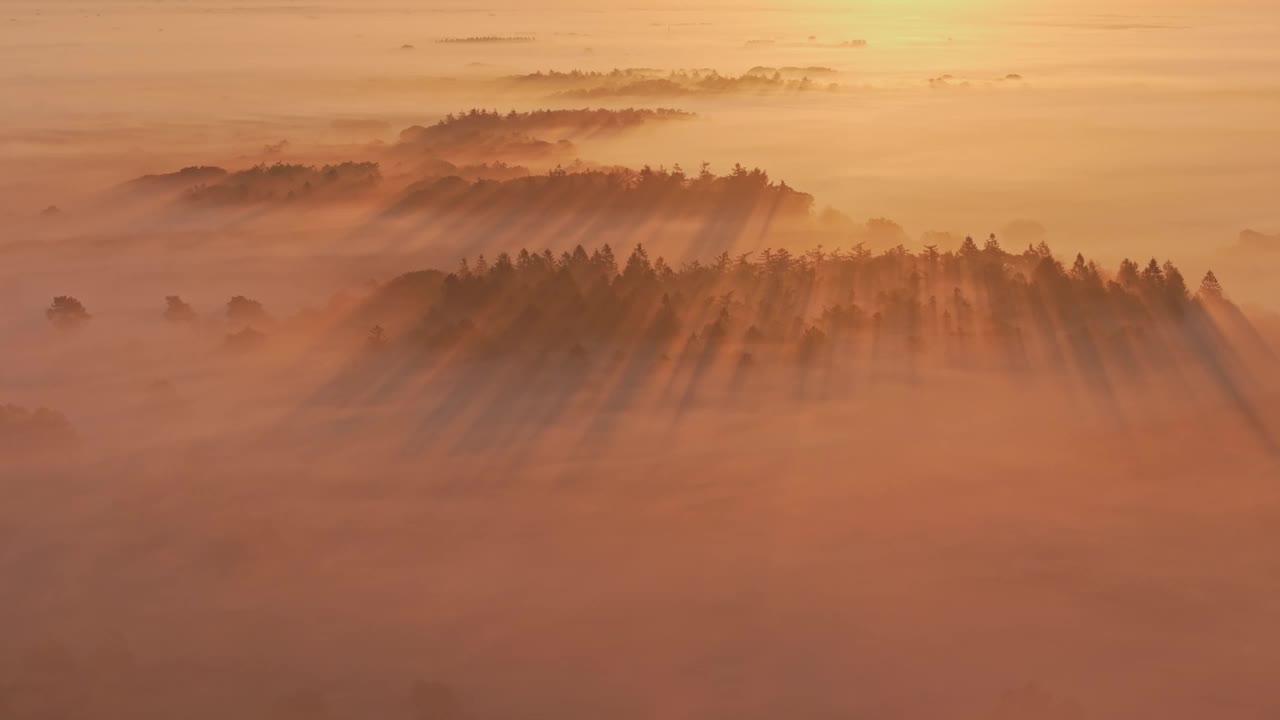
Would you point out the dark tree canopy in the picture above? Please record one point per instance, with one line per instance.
(806, 306)
(178, 311)
(241, 309)
(67, 313)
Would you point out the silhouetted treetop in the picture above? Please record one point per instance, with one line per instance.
(67, 313)
(577, 77)
(178, 311)
(812, 70)
(241, 309)
(265, 183)
(1210, 287)
(183, 179)
(641, 82)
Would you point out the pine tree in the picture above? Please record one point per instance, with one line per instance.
(1210, 288)
(1128, 276)
(1174, 284)
(1153, 276)
(638, 267)
(607, 262)
(67, 313)
(1079, 269)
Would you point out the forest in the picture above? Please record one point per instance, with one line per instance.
(282, 181)
(647, 82)
(979, 308)
(455, 128)
(632, 330)
(972, 305)
(679, 83)
(484, 147)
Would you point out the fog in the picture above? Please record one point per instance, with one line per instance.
(725, 360)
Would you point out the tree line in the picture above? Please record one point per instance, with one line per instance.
(476, 120)
(696, 83)
(284, 181)
(817, 303)
(614, 194)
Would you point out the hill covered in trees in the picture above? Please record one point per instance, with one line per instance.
(483, 136)
(183, 179)
(972, 307)
(262, 183)
(473, 145)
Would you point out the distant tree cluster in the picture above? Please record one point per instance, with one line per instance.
(484, 39)
(435, 167)
(181, 180)
(473, 145)
(819, 306)
(467, 124)
(484, 134)
(690, 82)
(617, 194)
(67, 313)
(578, 77)
(245, 311)
(179, 311)
(811, 71)
(281, 181)
(947, 81)
(687, 80)
(812, 43)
